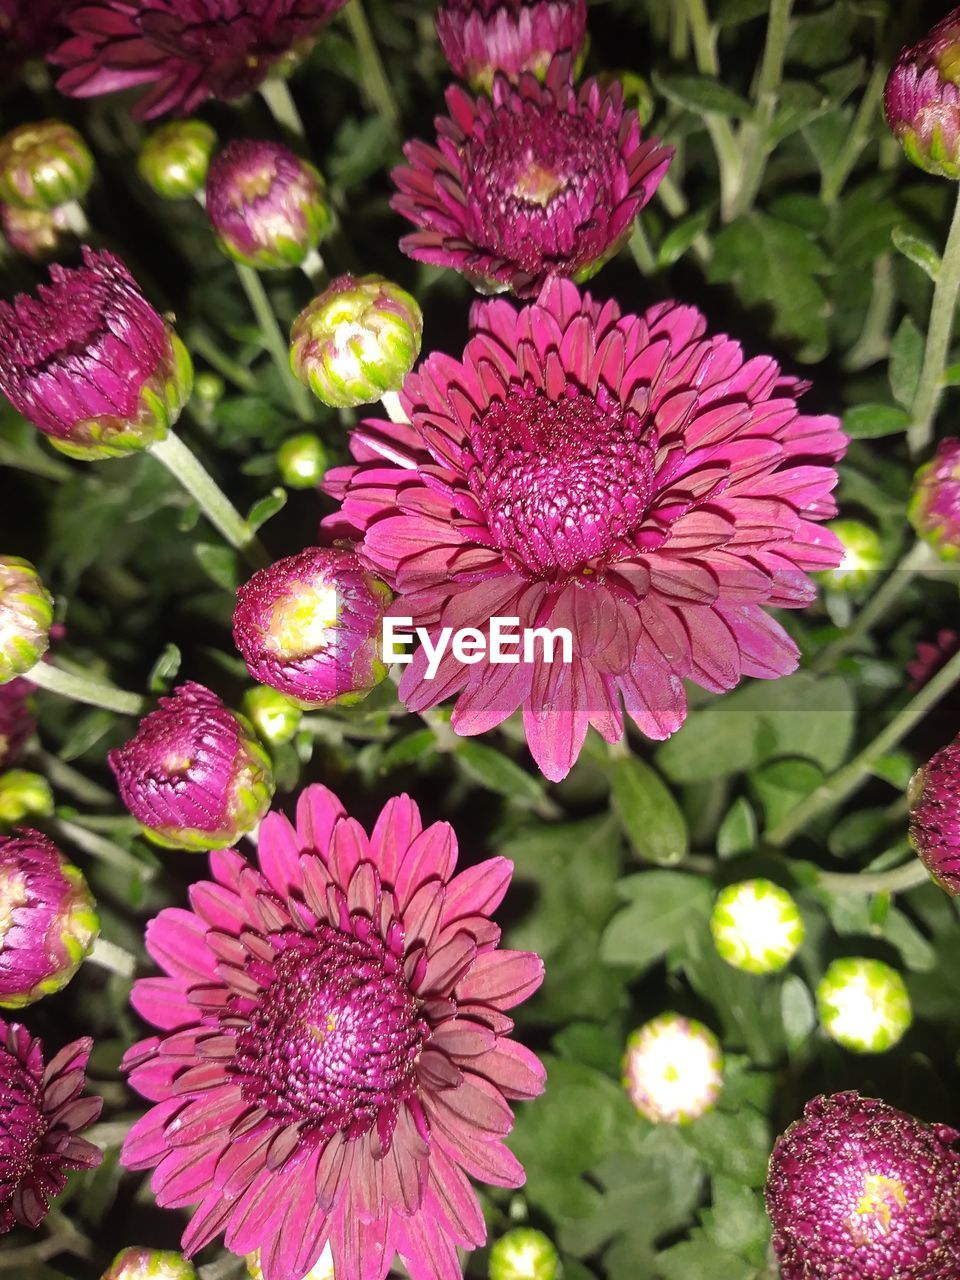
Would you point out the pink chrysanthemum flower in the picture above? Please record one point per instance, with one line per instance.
(42, 1114)
(481, 37)
(334, 1054)
(541, 180)
(16, 719)
(187, 50)
(922, 99)
(934, 796)
(627, 478)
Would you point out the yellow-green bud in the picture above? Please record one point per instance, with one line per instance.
(26, 615)
(302, 461)
(44, 164)
(274, 717)
(756, 926)
(524, 1254)
(24, 795)
(175, 158)
(863, 1005)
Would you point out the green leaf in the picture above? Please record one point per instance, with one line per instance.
(700, 1259)
(657, 920)
(798, 1011)
(920, 252)
(491, 769)
(870, 421)
(220, 564)
(703, 96)
(266, 508)
(650, 816)
(730, 13)
(782, 784)
(738, 830)
(676, 243)
(906, 361)
(410, 749)
(164, 670)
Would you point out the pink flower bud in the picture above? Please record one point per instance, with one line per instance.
(935, 505)
(922, 99)
(935, 816)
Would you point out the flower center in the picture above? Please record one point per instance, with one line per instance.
(304, 620)
(875, 1209)
(563, 482)
(334, 1040)
(22, 1123)
(13, 894)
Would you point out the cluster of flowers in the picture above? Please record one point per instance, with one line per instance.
(334, 1056)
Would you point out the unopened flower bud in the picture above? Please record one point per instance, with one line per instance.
(935, 504)
(922, 99)
(321, 1270)
(311, 626)
(175, 158)
(302, 461)
(24, 795)
(16, 718)
(268, 207)
(524, 1254)
(35, 233)
(756, 926)
(863, 556)
(863, 1005)
(209, 389)
(43, 165)
(934, 796)
(357, 341)
(149, 1264)
(194, 775)
(274, 717)
(673, 1069)
(48, 920)
(26, 615)
(90, 363)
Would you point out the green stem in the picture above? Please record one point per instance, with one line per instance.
(375, 81)
(846, 780)
(677, 206)
(874, 341)
(94, 693)
(275, 342)
(835, 178)
(926, 400)
(679, 33)
(113, 958)
(201, 342)
(107, 851)
(276, 94)
(898, 880)
(755, 135)
(213, 502)
(917, 558)
(704, 38)
(63, 777)
(640, 248)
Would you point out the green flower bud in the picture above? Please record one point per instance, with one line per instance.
(174, 160)
(357, 341)
(149, 1264)
(863, 556)
(756, 926)
(524, 1254)
(863, 1005)
(274, 717)
(302, 461)
(321, 1270)
(24, 795)
(209, 389)
(43, 165)
(26, 615)
(673, 1069)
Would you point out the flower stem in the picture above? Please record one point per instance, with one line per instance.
(75, 218)
(276, 343)
(94, 693)
(834, 179)
(375, 82)
(640, 248)
(204, 345)
(314, 268)
(107, 851)
(755, 134)
(113, 958)
(392, 407)
(929, 389)
(704, 38)
(916, 559)
(846, 780)
(213, 502)
(898, 880)
(276, 94)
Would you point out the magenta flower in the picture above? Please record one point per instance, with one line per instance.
(935, 816)
(28, 29)
(90, 363)
(542, 180)
(333, 1056)
(481, 37)
(935, 504)
(311, 626)
(186, 50)
(194, 775)
(267, 207)
(859, 1189)
(48, 920)
(931, 656)
(41, 1117)
(922, 99)
(16, 719)
(627, 478)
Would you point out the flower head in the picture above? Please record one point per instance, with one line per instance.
(41, 1117)
(333, 1055)
(275, 718)
(149, 1264)
(24, 794)
(931, 657)
(859, 1189)
(16, 716)
(673, 1069)
(358, 340)
(756, 926)
(185, 50)
(482, 37)
(48, 919)
(922, 99)
(935, 816)
(26, 615)
(44, 164)
(311, 626)
(194, 775)
(175, 158)
(935, 505)
(863, 556)
(90, 363)
(267, 207)
(863, 1005)
(626, 478)
(36, 233)
(302, 460)
(321, 1270)
(524, 1254)
(540, 180)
